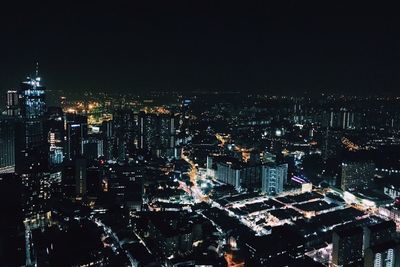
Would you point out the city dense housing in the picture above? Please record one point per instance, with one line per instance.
(197, 179)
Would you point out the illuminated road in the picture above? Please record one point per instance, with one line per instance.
(193, 175)
(116, 243)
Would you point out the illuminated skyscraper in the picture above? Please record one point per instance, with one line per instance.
(33, 107)
(54, 130)
(77, 131)
(27, 106)
(157, 132)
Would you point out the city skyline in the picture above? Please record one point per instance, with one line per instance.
(199, 134)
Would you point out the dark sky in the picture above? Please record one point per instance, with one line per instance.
(291, 47)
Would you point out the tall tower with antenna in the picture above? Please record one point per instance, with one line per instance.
(33, 107)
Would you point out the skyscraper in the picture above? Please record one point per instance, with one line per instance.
(157, 132)
(13, 107)
(76, 132)
(107, 136)
(27, 104)
(33, 108)
(120, 137)
(54, 130)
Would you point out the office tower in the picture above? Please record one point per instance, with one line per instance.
(27, 104)
(357, 175)
(347, 246)
(54, 130)
(13, 108)
(76, 135)
(7, 144)
(80, 165)
(108, 137)
(273, 177)
(33, 108)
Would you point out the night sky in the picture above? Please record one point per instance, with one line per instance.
(212, 45)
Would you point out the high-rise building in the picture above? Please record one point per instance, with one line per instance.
(357, 175)
(54, 129)
(76, 135)
(94, 148)
(93, 181)
(234, 172)
(13, 107)
(379, 233)
(33, 108)
(108, 137)
(273, 177)
(347, 246)
(27, 104)
(167, 130)
(148, 125)
(156, 131)
(36, 197)
(80, 176)
(229, 172)
(123, 137)
(383, 255)
(7, 144)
